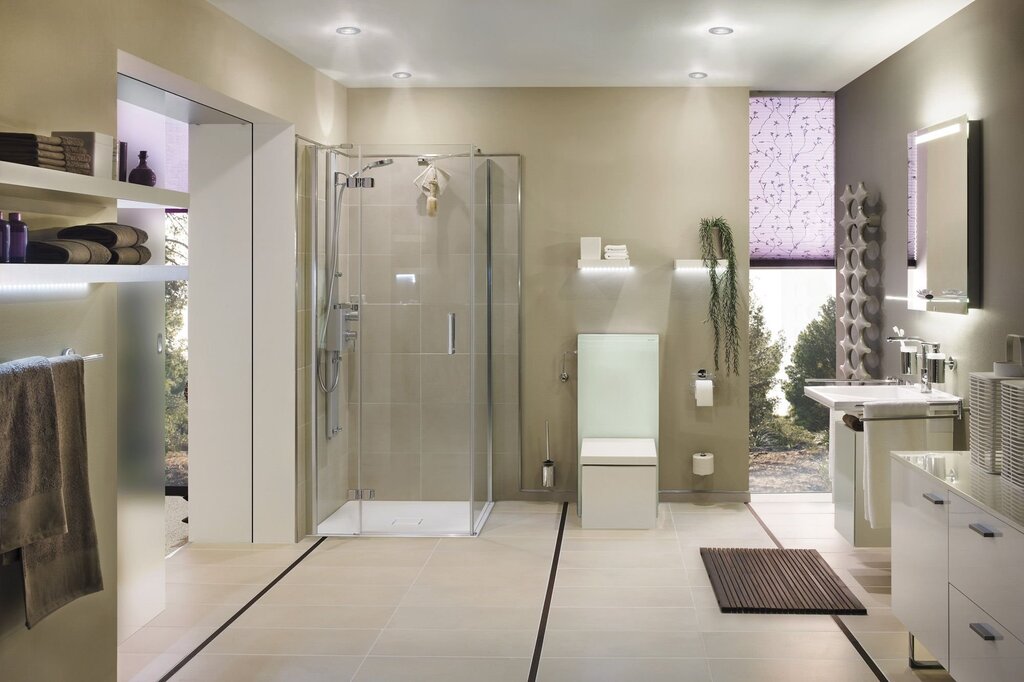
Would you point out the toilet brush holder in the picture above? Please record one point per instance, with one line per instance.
(547, 474)
(547, 469)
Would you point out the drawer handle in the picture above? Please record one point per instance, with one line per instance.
(934, 498)
(986, 632)
(983, 530)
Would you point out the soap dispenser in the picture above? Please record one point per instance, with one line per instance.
(18, 241)
(5, 240)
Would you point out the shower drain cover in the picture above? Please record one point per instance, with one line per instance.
(407, 521)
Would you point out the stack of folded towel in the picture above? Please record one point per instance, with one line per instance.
(96, 244)
(616, 252)
(46, 151)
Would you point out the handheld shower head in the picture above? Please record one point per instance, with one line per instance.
(375, 164)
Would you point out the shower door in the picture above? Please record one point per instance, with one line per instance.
(421, 371)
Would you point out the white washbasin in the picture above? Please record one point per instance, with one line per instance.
(852, 398)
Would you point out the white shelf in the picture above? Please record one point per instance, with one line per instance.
(601, 264)
(40, 190)
(31, 275)
(697, 264)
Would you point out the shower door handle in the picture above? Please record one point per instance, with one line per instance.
(451, 333)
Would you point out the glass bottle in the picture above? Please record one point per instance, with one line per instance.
(18, 242)
(142, 174)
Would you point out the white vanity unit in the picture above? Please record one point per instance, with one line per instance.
(958, 563)
(847, 447)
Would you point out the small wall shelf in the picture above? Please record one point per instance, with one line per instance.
(602, 264)
(697, 264)
(30, 274)
(40, 190)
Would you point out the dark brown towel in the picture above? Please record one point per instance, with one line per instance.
(72, 251)
(31, 502)
(31, 137)
(60, 569)
(110, 235)
(131, 255)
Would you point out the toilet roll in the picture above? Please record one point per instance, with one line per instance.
(703, 463)
(703, 389)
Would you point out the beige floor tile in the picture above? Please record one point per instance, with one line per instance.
(830, 544)
(801, 645)
(779, 670)
(413, 669)
(144, 667)
(619, 669)
(533, 525)
(465, 618)
(883, 645)
(210, 593)
(667, 544)
(535, 574)
(897, 670)
(191, 615)
(293, 642)
(297, 547)
(725, 508)
(280, 558)
(232, 668)
(466, 643)
(305, 574)
(619, 643)
(376, 544)
(877, 620)
(703, 597)
(621, 596)
(164, 640)
(213, 574)
(618, 559)
(263, 615)
(713, 620)
(384, 558)
(510, 595)
(792, 507)
(667, 619)
(341, 595)
(620, 577)
(524, 507)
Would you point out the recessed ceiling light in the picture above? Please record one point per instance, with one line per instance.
(349, 30)
(401, 75)
(698, 75)
(719, 30)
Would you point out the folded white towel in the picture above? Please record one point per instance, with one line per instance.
(615, 247)
(616, 256)
(881, 438)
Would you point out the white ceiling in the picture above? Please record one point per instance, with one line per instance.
(778, 44)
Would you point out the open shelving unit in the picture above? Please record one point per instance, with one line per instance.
(40, 190)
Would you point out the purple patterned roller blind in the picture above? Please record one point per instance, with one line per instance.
(792, 181)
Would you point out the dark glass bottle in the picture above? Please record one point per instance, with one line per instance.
(18, 243)
(142, 174)
(5, 240)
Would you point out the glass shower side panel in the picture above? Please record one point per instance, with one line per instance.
(497, 304)
(416, 330)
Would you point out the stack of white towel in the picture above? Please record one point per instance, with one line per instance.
(616, 252)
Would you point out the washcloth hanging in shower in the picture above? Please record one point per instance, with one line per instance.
(432, 182)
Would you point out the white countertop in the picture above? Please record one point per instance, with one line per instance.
(618, 451)
(851, 398)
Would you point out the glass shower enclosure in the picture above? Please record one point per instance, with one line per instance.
(397, 361)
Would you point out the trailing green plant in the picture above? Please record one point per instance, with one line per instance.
(724, 300)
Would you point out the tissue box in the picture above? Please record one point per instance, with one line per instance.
(100, 146)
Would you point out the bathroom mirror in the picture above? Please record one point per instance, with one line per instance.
(944, 217)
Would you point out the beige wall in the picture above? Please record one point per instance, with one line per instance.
(970, 64)
(60, 73)
(638, 166)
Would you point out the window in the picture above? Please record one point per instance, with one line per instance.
(792, 181)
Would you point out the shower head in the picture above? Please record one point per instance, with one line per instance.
(374, 164)
(346, 180)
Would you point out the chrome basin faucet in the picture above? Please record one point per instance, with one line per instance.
(929, 370)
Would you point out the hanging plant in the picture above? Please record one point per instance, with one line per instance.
(724, 301)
